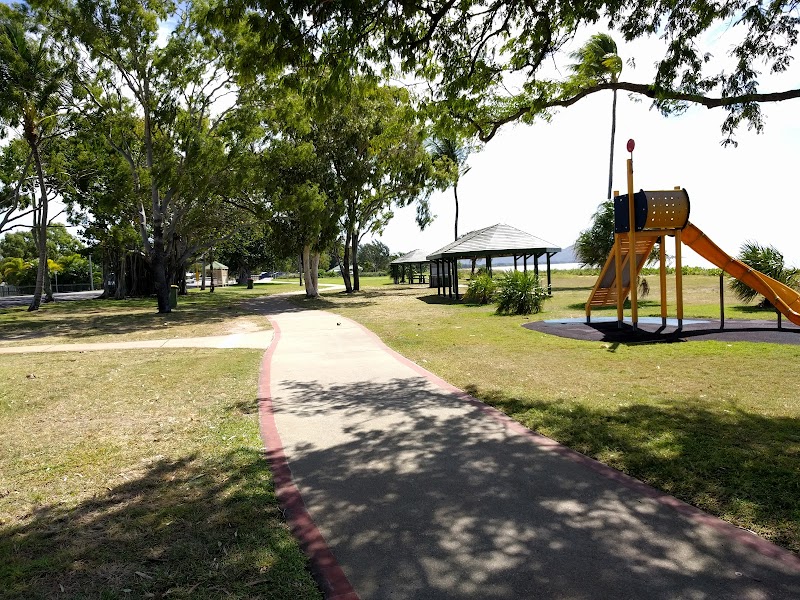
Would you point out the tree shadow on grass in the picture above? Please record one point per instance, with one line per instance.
(421, 494)
(79, 321)
(188, 528)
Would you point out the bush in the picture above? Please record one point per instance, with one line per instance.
(520, 294)
(481, 289)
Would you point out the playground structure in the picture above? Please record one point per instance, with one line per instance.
(655, 215)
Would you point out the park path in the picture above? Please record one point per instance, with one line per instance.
(259, 340)
(400, 486)
(256, 339)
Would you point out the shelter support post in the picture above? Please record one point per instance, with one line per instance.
(525, 263)
(450, 279)
(515, 262)
(455, 276)
(549, 279)
(536, 265)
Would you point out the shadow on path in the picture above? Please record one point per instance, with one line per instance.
(422, 495)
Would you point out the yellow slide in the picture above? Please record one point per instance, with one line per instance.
(782, 297)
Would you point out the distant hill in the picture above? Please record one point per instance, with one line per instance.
(567, 255)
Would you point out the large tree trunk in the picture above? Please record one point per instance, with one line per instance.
(344, 266)
(158, 264)
(106, 287)
(311, 290)
(122, 278)
(354, 250)
(611, 153)
(48, 287)
(40, 225)
(315, 272)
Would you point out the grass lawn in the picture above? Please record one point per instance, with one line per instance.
(715, 424)
(198, 314)
(139, 474)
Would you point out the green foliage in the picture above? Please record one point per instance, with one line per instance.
(21, 244)
(519, 293)
(769, 261)
(482, 289)
(595, 243)
(597, 60)
(374, 256)
(469, 50)
(17, 271)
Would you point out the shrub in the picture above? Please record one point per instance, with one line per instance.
(481, 289)
(520, 294)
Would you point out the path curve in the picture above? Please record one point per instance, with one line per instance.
(414, 489)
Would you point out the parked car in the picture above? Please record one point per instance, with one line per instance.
(265, 275)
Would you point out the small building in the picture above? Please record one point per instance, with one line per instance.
(491, 242)
(403, 268)
(219, 271)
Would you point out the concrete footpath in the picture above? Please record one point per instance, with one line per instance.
(400, 486)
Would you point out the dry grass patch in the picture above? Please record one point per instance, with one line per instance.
(139, 474)
(228, 310)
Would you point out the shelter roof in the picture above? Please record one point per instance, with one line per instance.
(216, 265)
(496, 240)
(413, 257)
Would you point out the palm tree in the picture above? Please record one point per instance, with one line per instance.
(30, 86)
(598, 62)
(769, 261)
(451, 157)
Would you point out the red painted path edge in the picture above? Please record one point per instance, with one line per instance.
(324, 566)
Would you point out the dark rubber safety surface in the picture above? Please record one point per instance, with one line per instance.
(653, 332)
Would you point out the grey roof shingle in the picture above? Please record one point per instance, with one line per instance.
(496, 240)
(413, 257)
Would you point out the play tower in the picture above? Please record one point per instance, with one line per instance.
(654, 215)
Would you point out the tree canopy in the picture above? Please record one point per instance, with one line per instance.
(473, 49)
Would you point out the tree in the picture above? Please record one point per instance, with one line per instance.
(595, 243)
(598, 62)
(16, 271)
(157, 106)
(31, 86)
(471, 50)
(450, 156)
(374, 141)
(769, 261)
(23, 244)
(15, 201)
(376, 254)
